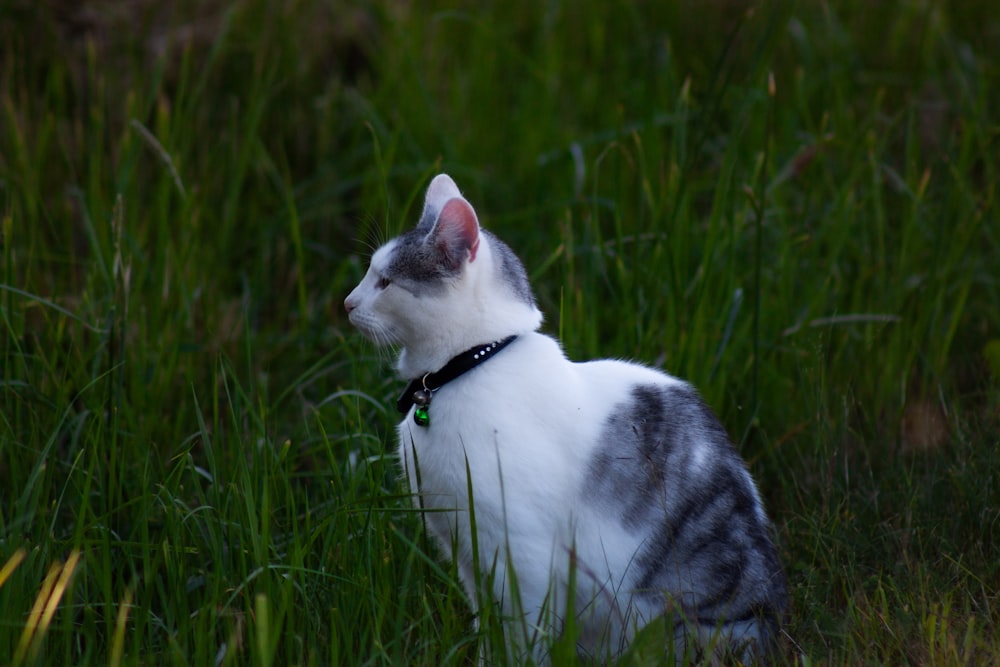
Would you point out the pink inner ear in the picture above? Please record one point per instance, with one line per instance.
(459, 228)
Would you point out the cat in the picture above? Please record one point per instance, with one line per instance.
(606, 473)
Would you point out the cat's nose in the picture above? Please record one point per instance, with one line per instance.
(350, 304)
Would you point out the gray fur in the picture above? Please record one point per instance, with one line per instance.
(417, 263)
(416, 260)
(510, 270)
(708, 550)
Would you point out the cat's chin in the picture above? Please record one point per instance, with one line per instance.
(375, 333)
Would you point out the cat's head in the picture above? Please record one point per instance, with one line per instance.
(443, 287)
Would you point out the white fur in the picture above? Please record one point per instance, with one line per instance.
(521, 429)
(527, 437)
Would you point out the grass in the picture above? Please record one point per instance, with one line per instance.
(794, 207)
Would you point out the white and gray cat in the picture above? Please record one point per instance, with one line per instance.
(605, 473)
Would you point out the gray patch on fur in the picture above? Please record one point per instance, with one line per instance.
(705, 545)
(648, 441)
(415, 260)
(418, 265)
(510, 269)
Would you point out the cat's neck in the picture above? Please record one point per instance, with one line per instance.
(482, 310)
(431, 354)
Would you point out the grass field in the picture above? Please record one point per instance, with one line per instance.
(794, 207)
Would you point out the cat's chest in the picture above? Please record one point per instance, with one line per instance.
(519, 419)
(500, 405)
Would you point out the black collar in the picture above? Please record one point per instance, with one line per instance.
(462, 363)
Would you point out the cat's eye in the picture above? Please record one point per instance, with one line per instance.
(383, 282)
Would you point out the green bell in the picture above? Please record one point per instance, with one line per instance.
(421, 417)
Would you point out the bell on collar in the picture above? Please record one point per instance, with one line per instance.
(420, 416)
(422, 397)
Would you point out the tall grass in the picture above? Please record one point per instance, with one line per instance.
(792, 205)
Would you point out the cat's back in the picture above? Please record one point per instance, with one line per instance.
(618, 375)
(532, 393)
(575, 400)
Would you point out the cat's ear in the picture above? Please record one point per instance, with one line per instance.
(450, 222)
(456, 232)
(441, 190)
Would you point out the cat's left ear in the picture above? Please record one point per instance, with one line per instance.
(456, 232)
